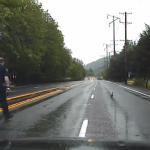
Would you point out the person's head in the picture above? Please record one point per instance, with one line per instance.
(1, 61)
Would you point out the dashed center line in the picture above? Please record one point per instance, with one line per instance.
(94, 89)
(83, 128)
(92, 96)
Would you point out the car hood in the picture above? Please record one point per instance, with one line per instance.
(70, 144)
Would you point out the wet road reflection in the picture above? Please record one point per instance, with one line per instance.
(50, 123)
(63, 115)
(62, 122)
(126, 129)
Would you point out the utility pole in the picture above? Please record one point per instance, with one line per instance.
(106, 53)
(126, 67)
(103, 56)
(109, 58)
(113, 46)
(114, 19)
(117, 51)
(125, 48)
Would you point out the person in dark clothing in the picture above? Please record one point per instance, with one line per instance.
(4, 83)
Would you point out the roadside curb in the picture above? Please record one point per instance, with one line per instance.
(32, 103)
(24, 96)
(31, 85)
(34, 85)
(130, 89)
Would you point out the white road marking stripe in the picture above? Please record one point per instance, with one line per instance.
(94, 89)
(83, 128)
(92, 96)
(131, 89)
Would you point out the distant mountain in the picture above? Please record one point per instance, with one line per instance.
(97, 66)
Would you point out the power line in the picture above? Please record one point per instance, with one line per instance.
(119, 24)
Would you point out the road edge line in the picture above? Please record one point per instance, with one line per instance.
(130, 89)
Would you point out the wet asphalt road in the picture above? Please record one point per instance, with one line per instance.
(86, 111)
(35, 88)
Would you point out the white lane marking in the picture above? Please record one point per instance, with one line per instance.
(131, 89)
(94, 89)
(37, 87)
(83, 128)
(92, 96)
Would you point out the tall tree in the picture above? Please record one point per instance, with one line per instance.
(32, 44)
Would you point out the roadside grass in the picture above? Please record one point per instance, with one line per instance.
(138, 82)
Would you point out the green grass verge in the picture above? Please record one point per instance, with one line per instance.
(138, 82)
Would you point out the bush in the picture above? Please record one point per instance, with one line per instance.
(138, 82)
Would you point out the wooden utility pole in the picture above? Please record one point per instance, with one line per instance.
(114, 19)
(109, 58)
(106, 53)
(125, 49)
(114, 35)
(125, 52)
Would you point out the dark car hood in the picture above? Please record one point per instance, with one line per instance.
(70, 144)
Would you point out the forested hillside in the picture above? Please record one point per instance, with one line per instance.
(97, 66)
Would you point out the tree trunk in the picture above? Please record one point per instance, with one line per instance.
(146, 82)
(147, 78)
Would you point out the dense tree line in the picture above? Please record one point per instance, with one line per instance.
(138, 60)
(89, 72)
(33, 46)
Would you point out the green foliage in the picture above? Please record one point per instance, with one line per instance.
(89, 72)
(138, 82)
(77, 71)
(33, 46)
(105, 74)
(138, 61)
(141, 82)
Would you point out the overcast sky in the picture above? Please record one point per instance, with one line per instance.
(84, 23)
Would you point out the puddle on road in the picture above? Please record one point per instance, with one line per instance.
(126, 129)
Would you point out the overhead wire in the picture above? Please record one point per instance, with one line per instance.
(119, 24)
(121, 20)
